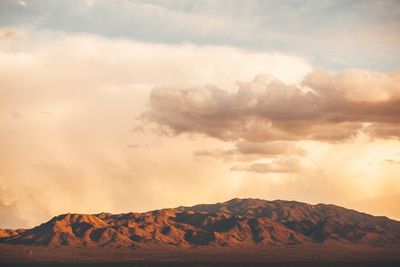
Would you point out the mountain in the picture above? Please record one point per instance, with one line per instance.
(10, 232)
(237, 222)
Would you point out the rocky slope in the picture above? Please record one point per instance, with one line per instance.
(238, 222)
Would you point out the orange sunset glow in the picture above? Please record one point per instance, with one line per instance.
(199, 133)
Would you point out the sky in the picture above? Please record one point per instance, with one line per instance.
(120, 106)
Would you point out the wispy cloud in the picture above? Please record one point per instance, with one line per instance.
(288, 165)
(247, 151)
(392, 161)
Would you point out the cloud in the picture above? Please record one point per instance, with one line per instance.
(89, 3)
(91, 59)
(315, 28)
(286, 165)
(146, 145)
(392, 161)
(384, 130)
(325, 107)
(246, 151)
(273, 148)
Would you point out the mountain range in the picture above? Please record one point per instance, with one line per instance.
(237, 222)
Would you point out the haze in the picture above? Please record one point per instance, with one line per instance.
(118, 106)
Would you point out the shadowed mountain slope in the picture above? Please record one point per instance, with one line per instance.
(238, 222)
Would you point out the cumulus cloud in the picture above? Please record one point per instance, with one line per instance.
(325, 106)
(286, 165)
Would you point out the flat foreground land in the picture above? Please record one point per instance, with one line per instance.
(296, 255)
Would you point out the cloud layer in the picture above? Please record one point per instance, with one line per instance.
(324, 107)
(320, 30)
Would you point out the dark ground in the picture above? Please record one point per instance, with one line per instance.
(297, 255)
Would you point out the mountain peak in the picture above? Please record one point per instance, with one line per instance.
(73, 218)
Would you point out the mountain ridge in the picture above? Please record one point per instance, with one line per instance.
(237, 222)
